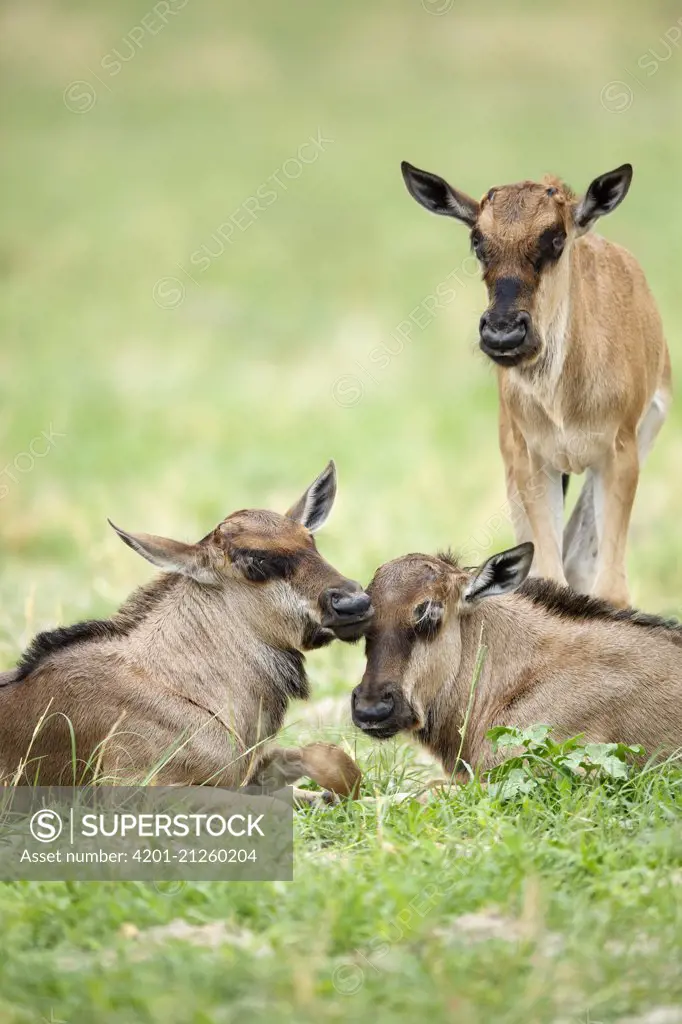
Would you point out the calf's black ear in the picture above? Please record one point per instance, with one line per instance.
(169, 555)
(436, 196)
(313, 507)
(500, 574)
(604, 194)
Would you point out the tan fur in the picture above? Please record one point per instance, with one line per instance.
(580, 402)
(324, 763)
(590, 387)
(191, 678)
(612, 679)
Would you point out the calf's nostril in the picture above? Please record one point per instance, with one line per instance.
(377, 711)
(502, 336)
(350, 604)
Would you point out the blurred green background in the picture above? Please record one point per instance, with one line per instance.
(191, 345)
(187, 386)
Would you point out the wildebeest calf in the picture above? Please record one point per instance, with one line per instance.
(193, 674)
(583, 368)
(551, 656)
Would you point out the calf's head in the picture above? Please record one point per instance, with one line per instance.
(414, 644)
(522, 235)
(267, 568)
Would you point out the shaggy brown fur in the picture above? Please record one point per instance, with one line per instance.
(551, 656)
(188, 681)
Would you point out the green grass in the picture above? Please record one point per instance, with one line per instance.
(555, 908)
(169, 418)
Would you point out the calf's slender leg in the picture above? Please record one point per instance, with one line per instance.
(580, 549)
(541, 492)
(517, 512)
(581, 542)
(615, 484)
(281, 766)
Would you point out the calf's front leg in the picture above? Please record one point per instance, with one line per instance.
(517, 512)
(324, 763)
(580, 541)
(615, 485)
(540, 489)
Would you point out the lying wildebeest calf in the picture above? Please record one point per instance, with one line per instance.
(193, 674)
(552, 656)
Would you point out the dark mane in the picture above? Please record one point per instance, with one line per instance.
(450, 558)
(45, 644)
(129, 615)
(292, 680)
(568, 604)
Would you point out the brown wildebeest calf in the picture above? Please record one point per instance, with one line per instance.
(552, 656)
(583, 367)
(193, 674)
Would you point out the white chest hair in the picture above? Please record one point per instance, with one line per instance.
(543, 387)
(569, 447)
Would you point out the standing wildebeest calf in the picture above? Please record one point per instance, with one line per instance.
(583, 368)
(194, 673)
(551, 656)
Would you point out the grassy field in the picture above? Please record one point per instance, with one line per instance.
(211, 281)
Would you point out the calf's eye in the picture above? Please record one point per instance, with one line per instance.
(477, 244)
(259, 567)
(549, 248)
(427, 617)
(256, 569)
(558, 244)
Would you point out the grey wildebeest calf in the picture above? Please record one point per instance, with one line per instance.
(551, 656)
(193, 674)
(582, 365)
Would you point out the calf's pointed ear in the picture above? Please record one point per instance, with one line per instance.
(313, 507)
(436, 196)
(169, 555)
(500, 574)
(604, 194)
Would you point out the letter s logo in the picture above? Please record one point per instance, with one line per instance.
(46, 825)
